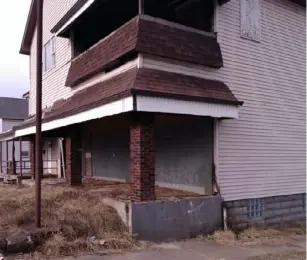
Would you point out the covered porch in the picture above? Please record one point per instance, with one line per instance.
(17, 158)
(141, 126)
(152, 134)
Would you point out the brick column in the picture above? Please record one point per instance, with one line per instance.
(73, 157)
(142, 156)
(32, 157)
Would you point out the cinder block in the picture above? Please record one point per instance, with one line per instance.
(240, 203)
(272, 205)
(238, 211)
(296, 210)
(273, 221)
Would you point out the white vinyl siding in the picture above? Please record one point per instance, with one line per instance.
(53, 80)
(8, 124)
(262, 153)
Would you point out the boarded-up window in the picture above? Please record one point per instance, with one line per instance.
(251, 19)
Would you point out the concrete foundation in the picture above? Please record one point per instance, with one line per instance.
(168, 220)
(278, 210)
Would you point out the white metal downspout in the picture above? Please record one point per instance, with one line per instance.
(62, 157)
(216, 165)
(216, 132)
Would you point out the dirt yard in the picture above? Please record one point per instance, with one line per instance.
(123, 191)
(76, 219)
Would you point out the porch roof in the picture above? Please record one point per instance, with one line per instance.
(140, 89)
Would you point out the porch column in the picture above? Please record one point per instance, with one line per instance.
(13, 158)
(142, 156)
(20, 156)
(73, 157)
(7, 157)
(1, 157)
(32, 157)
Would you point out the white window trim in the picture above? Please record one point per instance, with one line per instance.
(52, 40)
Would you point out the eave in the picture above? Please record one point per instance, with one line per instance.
(29, 30)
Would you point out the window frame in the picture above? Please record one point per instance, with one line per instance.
(52, 42)
(255, 208)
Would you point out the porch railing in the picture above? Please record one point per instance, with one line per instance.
(49, 167)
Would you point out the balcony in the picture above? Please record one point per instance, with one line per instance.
(148, 35)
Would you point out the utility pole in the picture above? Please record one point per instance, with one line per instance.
(38, 136)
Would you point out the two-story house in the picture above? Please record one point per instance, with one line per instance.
(204, 96)
(13, 111)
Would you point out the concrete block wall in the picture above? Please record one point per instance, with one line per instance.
(278, 210)
(176, 219)
(169, 220)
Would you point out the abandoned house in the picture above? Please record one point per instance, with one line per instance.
(201, 96)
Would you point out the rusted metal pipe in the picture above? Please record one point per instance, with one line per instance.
(38, 136)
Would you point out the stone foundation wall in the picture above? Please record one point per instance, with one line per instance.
(277, 211)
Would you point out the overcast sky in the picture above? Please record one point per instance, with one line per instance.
(14, 67)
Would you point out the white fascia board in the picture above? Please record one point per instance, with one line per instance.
(75, 16)
(7, 138)
(173, 106)
(113, 108)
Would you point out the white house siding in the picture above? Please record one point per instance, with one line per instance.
(53, 80)
(8, 124)
(262, 153)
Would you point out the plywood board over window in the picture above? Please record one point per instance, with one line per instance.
(251, 19)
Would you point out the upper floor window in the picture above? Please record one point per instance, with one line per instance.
(49, 55)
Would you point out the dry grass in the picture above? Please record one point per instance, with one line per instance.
(79, 221)
(123, 191)
(292, 255)
(255, 235)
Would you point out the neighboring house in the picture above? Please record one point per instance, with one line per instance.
(26, 95)
(13, 111)
(193, 95)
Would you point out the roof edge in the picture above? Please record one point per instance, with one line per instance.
(29, 30)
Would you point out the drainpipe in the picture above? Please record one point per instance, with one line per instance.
(215, 167)
(62, 157)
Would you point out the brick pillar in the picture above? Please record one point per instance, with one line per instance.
(32, 157)
(142, 156)
(73, 157)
